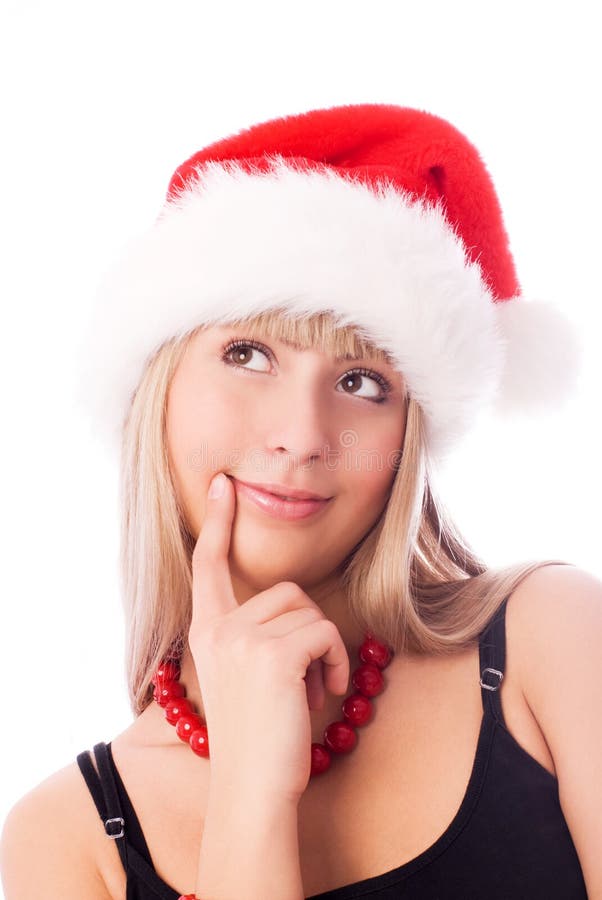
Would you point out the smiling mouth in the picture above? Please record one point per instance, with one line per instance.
(281, 506)
(290, 494)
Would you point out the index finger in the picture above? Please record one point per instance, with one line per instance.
(212, 591)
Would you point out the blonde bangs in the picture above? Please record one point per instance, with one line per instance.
(319, 331)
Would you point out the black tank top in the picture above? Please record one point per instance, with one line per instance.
(509, 838)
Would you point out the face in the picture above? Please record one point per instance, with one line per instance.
(264, 412)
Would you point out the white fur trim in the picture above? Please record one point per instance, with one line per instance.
(544, 353)
(236, 243)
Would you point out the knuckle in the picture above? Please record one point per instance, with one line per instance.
(331, 630)
(311, 613)
(289, 585)
(292, 589)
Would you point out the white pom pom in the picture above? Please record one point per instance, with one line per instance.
(543, 359)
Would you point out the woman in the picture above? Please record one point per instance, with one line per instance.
(324, 306)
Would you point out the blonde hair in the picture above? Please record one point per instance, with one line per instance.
(412, 581)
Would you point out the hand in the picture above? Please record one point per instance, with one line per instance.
(261, 665)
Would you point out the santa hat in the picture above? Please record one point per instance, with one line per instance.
(383, 215)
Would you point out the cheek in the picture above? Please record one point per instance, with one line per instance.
(368, 491)
(364, 495)
(208, 426)
(206, 433)
(368, 473)
(370, 465)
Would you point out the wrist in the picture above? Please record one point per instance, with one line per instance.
(228, 792)
(241, 830)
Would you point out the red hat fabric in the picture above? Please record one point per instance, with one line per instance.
(384, 215)
(420, 154)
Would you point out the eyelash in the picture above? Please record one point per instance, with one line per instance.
(249, 342)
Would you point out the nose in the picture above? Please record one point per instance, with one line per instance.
(298, 425)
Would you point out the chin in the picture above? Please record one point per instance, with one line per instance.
(269, 566)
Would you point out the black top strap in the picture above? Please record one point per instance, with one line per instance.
(105, 796)
(492, 656)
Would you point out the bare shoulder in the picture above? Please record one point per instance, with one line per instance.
(552, 598)
(555, 616)
(50, 839)
(549, 584)
(551, 616)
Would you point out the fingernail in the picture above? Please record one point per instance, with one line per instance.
(217, 486)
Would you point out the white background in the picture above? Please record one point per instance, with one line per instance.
(101, 102)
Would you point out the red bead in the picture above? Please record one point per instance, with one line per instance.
(177, 707)
(320, 759)
(169, 670)
(373, 651)
(340, 737)
(199, 741)
(170, 690)
(357, 710)
(186, 725)
(188, 897)
(368, 680)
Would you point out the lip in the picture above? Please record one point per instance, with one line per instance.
(290, 510)
(283, 490)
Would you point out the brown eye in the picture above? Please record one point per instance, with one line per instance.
(376, 393)
(238, 353)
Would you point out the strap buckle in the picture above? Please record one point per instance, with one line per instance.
(491, 687)
(115, 834)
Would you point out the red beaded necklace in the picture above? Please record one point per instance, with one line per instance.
(339, 737)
